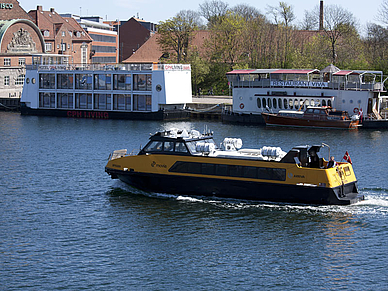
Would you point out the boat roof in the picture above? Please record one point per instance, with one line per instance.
(298, 71)
(291, 111)
(303, 71)
(181, 134)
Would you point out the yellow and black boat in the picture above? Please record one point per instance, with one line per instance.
(190, 163)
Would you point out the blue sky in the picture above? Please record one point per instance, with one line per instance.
(158, 10)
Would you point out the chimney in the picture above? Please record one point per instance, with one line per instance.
(39, 8)
(52, 10)
(321, 15)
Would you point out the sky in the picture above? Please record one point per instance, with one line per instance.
(160, 10)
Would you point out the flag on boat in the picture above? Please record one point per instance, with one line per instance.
(347, 157)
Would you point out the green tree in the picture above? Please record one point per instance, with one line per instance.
(226, 39)
(175, 34)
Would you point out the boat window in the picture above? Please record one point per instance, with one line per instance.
(142, 102)
(122, 102)
(291, 103)
(329, 103)
(102, 82)
(323, 102)
(122, 81)
(142, 82)
(65, 81)
(65, 100)
(46, 81)
(317, 111)
(102, 101)
(280, 103)
(46, 100)
(296, 103)
(229, 170)
(180, 147)
(285, 103)
(269, 103)
(264, 103)
(258, 103)
(154, 146)
(307, 102)
(274, 103)
(208, 169)
(83, 81)
(301, 104)
(310, 110)
(83, 101)
(168, 146)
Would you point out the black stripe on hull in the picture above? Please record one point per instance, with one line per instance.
(261, 191)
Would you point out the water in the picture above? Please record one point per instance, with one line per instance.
(65, 225)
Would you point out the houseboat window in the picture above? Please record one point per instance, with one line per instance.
(229, 170)
(285, 103)
(142, 102)
(301, 104)
(102, 82)
(323, 102)
(274, 103)
(65, 100)
(122, 102)
(291, 104)
(46, 100)
(102, 101)
(307, 102)
(351, 101)
(83, 81)
(296, 104)
(258, 103)
(264, 103)
(142, 82)
(122, 81)
(269, 103)
(83, 101)
(180, 147)
(329, 103)
(280, 103)
(33, 81)
(46, 81)
(65, 81)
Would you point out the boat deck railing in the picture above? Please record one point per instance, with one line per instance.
(370, 86)
(107, 67)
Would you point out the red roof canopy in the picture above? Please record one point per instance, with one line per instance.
(240, 72)
(344, 73)
(285, 71)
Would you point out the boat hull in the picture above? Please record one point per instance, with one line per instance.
(101, 114)
(273, 119)
(247, 190)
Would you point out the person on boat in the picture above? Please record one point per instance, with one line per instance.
(331, 163)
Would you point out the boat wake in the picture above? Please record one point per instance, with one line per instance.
(376, 201)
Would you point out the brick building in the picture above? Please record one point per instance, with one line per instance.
(19, 39)
(63, 35)
(104, 45)
(132, 35)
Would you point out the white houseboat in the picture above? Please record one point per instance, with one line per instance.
(127, 91)
(271, 90)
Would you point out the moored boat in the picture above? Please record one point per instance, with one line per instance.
(190, 163)
(326, 117)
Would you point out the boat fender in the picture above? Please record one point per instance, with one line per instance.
(356, 110)
(242, 106)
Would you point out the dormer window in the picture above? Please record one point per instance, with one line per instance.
(63, 33)
(78, 34)
(46, 33)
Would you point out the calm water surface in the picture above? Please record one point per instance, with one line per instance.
(65, 225)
